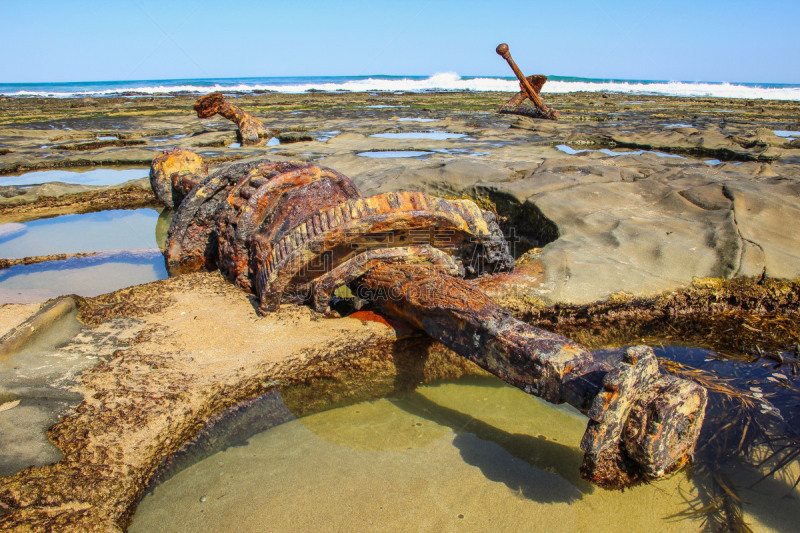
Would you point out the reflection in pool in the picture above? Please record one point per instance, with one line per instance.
(128, 240)
(410, 119)
(394, 153)
(430, 135)
(118, 229)
(472, 454)
(572, 151)
(323, 136)
(84, 276)
(95, 176)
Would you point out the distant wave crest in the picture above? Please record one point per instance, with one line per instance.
(677, 88)
(443, 81)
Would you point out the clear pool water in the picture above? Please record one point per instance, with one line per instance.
(429, 135)
(128, 242)
(119, 229)
(473, 455)
(572, 151)
(94, 176)
(394, 153)
(84, 276)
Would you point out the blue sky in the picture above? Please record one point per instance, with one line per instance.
(711, 40)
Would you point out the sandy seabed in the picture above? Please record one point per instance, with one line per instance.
(418, 462)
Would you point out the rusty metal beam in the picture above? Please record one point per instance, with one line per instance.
(250, 128)
(514, 103)
(292, 231)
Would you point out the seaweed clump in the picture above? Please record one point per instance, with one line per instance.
(743, 317)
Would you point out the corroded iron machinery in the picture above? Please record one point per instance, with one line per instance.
(295, 232)
(250, 128)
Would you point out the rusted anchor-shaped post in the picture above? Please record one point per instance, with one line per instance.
(512, 106)
(530, 87)
(250, 128)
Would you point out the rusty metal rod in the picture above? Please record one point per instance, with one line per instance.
(250, 128)
(503, 51)
(512, 106)
(641, 423)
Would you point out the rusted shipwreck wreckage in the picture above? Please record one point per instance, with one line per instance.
(251, 130)
(295, 232)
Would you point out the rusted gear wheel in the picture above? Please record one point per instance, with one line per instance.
(274, 227)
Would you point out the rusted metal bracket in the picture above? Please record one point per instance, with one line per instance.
(530, 90)
(250, 128)
(295, 232)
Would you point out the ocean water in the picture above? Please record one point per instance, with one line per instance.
(443, 81)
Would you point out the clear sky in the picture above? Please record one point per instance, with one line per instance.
(685, 40)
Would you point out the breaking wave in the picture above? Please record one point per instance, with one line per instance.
(444, 81)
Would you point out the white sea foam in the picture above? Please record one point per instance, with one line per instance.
(675, 88)
(443, 81)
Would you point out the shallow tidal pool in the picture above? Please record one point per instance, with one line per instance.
(387, 154)
(468, 455)
(92, 176)
(127, 242)
(429, 135)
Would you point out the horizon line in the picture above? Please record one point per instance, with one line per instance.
(424, 76)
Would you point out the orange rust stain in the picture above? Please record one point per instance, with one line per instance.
(573, 349)
(401, 329)
(609, 398)
(370, 316)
